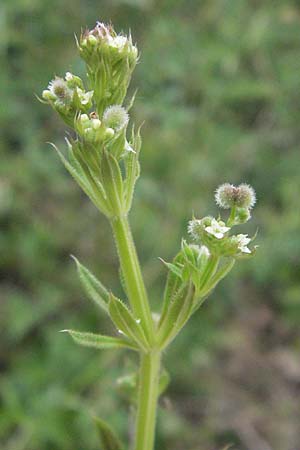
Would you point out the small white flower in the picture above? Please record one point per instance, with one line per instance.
(84, 97)
(217, 229)
(69, 76)
(243, 240)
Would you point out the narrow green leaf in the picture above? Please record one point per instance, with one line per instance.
(92, 286)
(132, 168)
(112, 181)
(108, 438)
(117, 145)
(177, 270)
(218, 276)
(131, 101)
(98, 340)
(81, 180)
(172, 285)
(126, 323)
(178, 313)
(212, 282)
(90, 173)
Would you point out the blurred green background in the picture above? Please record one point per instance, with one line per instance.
(219, 91)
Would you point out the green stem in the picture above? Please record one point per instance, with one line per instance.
(131, 272)
(147, 401)
(231, 217)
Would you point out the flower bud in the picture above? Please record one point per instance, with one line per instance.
(47, 95)
(115, 117)
(84, 118)
(96, 124)
(243, 196)
(242, 215)
(110, 60)
(73, 81)
(109, 133)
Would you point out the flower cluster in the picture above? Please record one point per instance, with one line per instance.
(100, 120)
(95, 130)
(110, 60)
(215, 234)
(68, 96)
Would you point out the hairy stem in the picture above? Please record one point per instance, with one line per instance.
(131, 272)
(147, 401)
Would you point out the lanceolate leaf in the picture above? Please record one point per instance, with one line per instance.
(99, 341)
(132, 172)
(108, 438)
(112, 181)
(126, 323)
(212, 282)
(172, 285)
(177, 314)
(81, 180)
(93, 287)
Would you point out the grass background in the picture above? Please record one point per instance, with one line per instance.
(219, 92)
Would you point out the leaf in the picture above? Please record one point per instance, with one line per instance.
(98, 340)
(173, 268)
(117, 145)
(132, 168)
(112, 181)
(172, 285)
(87, 167)
(218, 276)
(81, 180)
(108, 438)
(92, 286)
(126, 323)
(178, 313)
(212, 282)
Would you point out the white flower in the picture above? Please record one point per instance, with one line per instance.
(243, 240)
(217, 229)
(69, 76)
(84, 97)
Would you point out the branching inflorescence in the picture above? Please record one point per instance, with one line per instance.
(105, 163)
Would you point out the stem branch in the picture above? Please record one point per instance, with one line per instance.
(131, 272)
